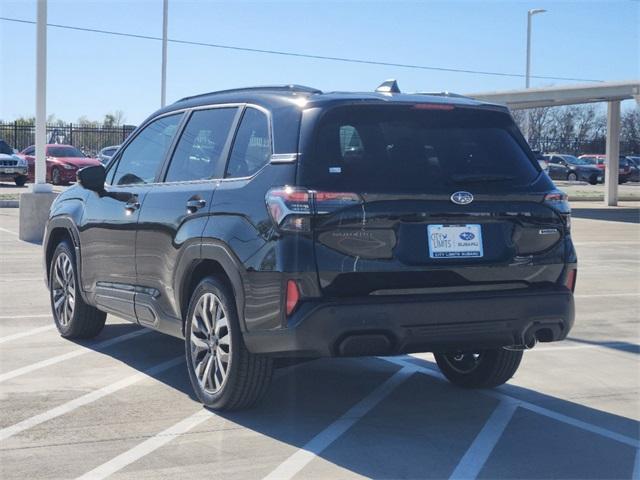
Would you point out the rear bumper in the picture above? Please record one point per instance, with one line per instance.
(403, 324)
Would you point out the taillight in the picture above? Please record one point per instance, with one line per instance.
(293, 296)
(570, 282)
(328, 202)
(559, 201)
(291, 207)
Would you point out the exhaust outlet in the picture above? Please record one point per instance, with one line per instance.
(526, 346)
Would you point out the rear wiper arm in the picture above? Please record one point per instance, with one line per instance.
(479, 177)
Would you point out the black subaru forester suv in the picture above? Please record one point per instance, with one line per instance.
(273, 222)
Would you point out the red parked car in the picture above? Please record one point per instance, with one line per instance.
(63, 161)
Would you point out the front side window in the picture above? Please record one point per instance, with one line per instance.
(141, 159)
(252, 145)
(199, 152)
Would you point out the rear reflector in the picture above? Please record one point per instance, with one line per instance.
(570, 283)
(293, 296)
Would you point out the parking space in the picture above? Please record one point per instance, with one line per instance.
(121, 405)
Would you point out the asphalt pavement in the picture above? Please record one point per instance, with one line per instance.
(120, 405)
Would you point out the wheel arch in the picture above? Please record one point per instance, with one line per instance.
(213, 258)
(59, 229)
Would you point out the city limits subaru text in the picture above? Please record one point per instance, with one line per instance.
(272, 224)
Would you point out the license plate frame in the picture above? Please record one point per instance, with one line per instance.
(447, 241)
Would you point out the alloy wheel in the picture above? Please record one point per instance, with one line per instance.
(63, 289)
(464, 362)
(210, 343)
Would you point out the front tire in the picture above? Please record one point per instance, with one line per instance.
(73, 317)
(20, 180)
(56, 178)
(223, 373)
(572, 177)
(481, 369)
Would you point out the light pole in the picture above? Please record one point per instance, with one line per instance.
(530, 14)
(163, 79)
(40, 184)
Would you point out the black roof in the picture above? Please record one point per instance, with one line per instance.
(298, 96)
(286, 93)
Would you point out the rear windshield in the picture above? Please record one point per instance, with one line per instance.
(409, 148)
(64, 152)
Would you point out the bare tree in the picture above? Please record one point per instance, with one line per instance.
(630, 131)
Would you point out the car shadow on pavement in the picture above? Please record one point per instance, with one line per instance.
(422, 429)
(626, 215)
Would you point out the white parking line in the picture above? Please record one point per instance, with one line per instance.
(37, 315)
(617, 242)
(633, 442)
(590, 295)
(86, 399)
(296, 462)
(8, 231)
(477, 454)
(75, 353)
(27, 333)
(289, 467)
(148, 446)
(583, 347)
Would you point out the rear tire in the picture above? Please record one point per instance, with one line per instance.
(482, 369)
(73, 317)
(223, 373)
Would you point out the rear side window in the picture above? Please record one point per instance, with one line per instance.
(398, 148)
(199, 152)
(142, 158)
(252, 145)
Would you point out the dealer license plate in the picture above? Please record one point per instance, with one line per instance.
(455, 241)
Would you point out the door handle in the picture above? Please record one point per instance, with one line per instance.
(195, 204)
(132, 206)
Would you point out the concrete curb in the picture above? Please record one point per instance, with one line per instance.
(9, 203)
(600, 198)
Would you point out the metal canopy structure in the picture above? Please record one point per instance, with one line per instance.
(611, 92)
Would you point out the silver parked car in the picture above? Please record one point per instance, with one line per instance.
(12, 167)
(106, 154)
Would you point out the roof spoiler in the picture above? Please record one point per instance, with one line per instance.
(388, 86)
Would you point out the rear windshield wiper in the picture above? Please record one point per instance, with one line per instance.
(479, 177)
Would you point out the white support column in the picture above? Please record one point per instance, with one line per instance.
(163, 75)
(40, 184)
(34, 205)
(613, 154)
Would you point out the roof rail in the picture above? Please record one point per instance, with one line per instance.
(443, 94)
(267, 88)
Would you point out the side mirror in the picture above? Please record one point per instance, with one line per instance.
(92, 178)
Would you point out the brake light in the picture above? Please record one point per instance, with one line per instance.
(293, 296)
(570, 282)
(433, 106)
(291, 208)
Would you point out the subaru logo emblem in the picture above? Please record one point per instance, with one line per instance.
(467, 236)
(462, 198)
